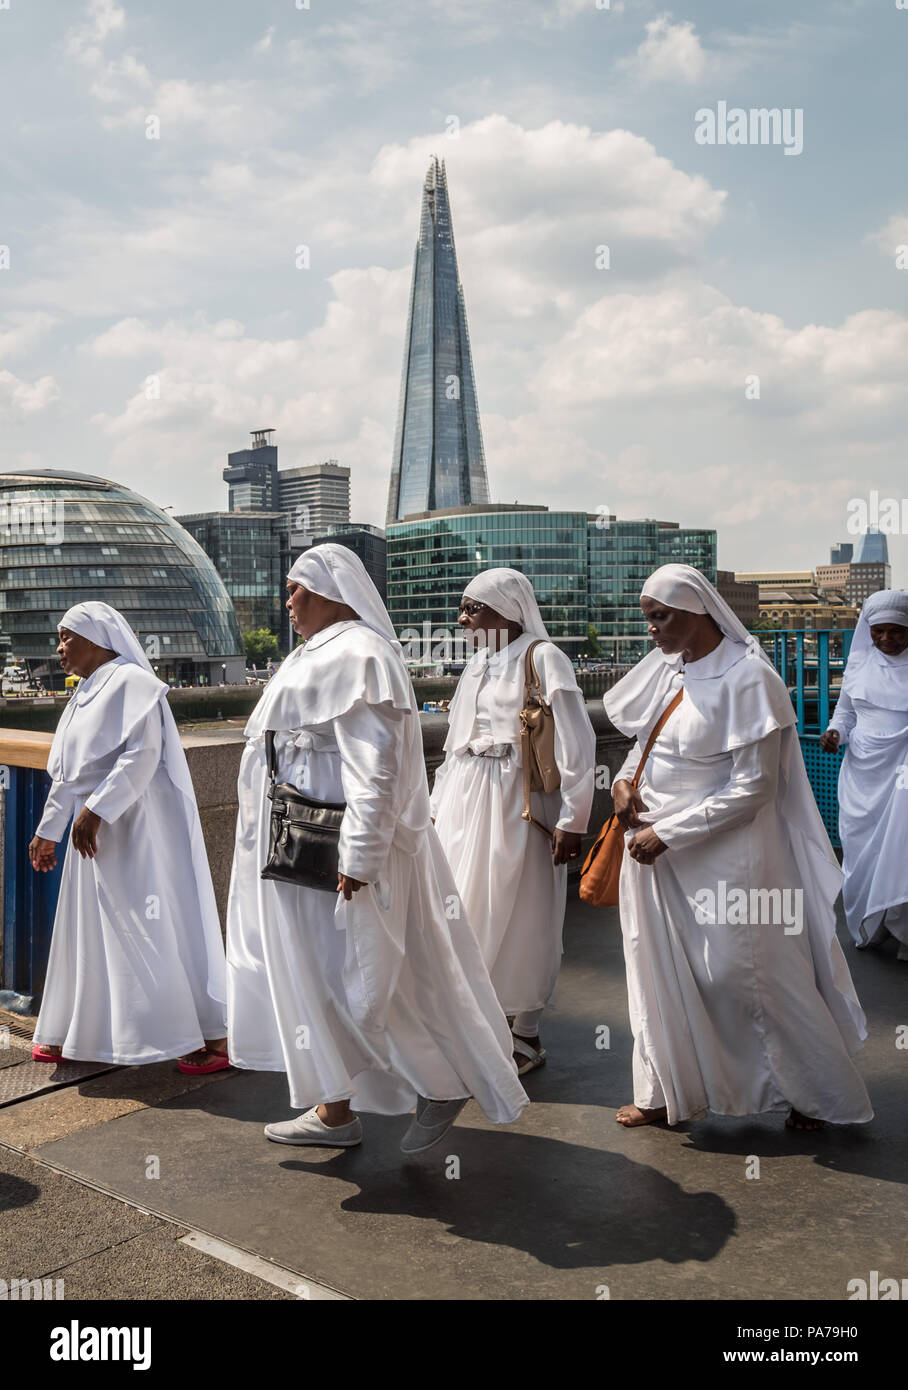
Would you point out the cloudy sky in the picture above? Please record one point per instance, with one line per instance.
(565, 128)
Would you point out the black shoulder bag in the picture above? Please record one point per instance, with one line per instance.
(305, 834)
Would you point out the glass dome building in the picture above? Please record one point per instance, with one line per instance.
(67, 537)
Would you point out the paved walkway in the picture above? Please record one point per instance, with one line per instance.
(560, 1206)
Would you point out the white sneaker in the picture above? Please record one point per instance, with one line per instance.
(310, 1128)
(432, 1121)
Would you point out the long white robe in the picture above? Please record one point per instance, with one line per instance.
(873, 818)
(735, 1017)
(136, 970)
(514, 895)
(384, 997)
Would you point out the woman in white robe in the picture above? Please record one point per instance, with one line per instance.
(872, 717)
(740, 998)
(136, 971)
(511, 876)
(375, 998)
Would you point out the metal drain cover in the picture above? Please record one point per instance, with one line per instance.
(30, 1078)
(14, 1055)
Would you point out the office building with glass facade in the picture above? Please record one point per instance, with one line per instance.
(438, 460)
(244, 548)
(433, 556)
(583, 571)
(622, 554)
(67, 537)
(251, 476)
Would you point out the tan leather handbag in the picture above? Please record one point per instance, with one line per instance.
(537, 740)
(601, 871)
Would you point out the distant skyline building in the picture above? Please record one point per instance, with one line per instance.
(315, 496)
(251, 476)
(806, 610)
(872, 548)
(275, 514)
(742, 598)
(244, 548)
(438, 460)
(841, 554)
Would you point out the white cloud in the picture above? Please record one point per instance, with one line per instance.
(692, 341)
(24, 332)
(20, 399)
(100, 19)
(891, 237)
(522, 256)
(264, 43)
(330, 393)
(669, 53)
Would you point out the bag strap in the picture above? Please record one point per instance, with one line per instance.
(657, 729)
(531, 681)
(531, 677)
(270, 754)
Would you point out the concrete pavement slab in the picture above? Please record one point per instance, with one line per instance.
(562, 1205)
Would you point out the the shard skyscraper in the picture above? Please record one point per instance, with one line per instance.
(438, 456)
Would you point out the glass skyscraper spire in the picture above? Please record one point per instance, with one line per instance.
(438, 455)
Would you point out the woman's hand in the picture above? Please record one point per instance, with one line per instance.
(42, 854)
(628, 802)
(829, 742)
(85, 833)
(646, 846)
(348, 886)
(565, 846)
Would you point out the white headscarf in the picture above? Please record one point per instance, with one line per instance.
(336, 573)
(734, 690)
(870, 674)
(681, 586)
(509, 593)
(107, 628)
(104, 724)
(313, 685)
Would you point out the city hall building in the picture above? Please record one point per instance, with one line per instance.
(67, 537)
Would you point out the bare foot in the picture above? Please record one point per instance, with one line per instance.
(798, 1121)
(49, 1050)
(631, 1115)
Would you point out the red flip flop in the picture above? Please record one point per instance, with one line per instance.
(39, 1056)
(220, 1062)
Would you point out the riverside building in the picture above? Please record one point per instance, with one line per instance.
(69, 537)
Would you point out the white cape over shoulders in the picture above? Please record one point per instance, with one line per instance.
(136, 971)
(384, 997)
(736, 1016)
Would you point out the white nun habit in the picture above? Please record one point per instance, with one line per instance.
(136, 969)
(514, 895)
(384, 997)
(872, 717)
(740, 997)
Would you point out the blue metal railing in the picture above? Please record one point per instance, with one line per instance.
(29, 898)
(811, 665)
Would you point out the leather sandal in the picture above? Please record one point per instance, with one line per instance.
(531, 1058)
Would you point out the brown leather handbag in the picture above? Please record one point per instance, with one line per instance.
(601, 872)
(537, 740)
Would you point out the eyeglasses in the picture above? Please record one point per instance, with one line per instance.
(471, 609)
